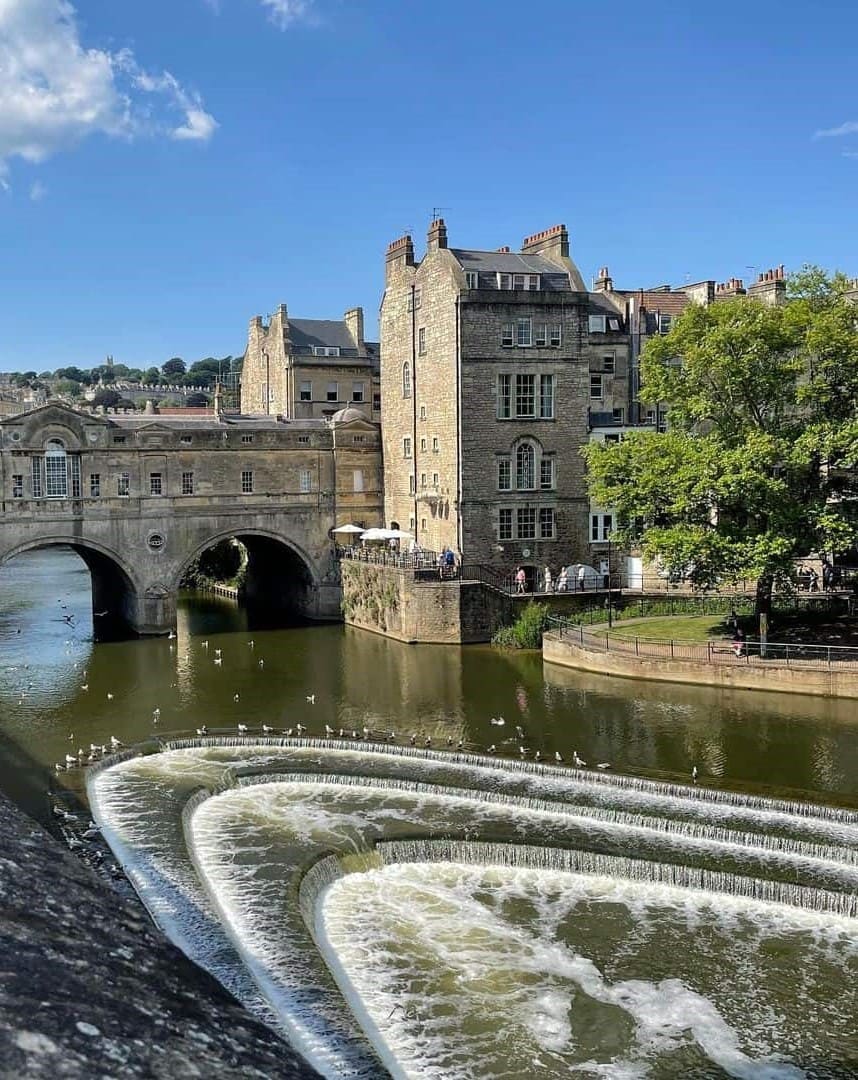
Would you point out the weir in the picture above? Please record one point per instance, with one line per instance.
(234, 842)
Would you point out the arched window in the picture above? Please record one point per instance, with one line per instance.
(56, 470)
(406, 380)
(525, 467)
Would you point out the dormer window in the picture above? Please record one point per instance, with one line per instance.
(664, 323)
(326, 350)
(504, 281)
(597, 324)
(472, 279)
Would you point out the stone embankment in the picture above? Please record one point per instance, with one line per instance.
(88, 988)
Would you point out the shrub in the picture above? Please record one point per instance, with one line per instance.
(527, 630)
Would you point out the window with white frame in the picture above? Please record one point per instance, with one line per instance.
(406, 380)
(187, 483)
(608, 364)
(665, 322)
(555, 338)
(94, 485)
(618, 415)
(504, 403)
(540, 334)
(614, 325)
(123, 484)
(357, 480)
(435, 480)
(504, 281)
(306, 390)
(525, 395)
(56, 470)
(421, 341)
(518, 281)
(326, 350)
(156, 483)
(423, 445)
(546, 474)
(504, 474)
(422, 412)
(472, 279)
(406, 446)
(600, 527)
(246, 481)
(597, 324)
(546, 397)
(333, 393)
(358, 391)
(305, 480)
(546, 523)
(17, 485)
(36, 475)
(525, 467)
(436, 445)
(595, 386)
(524, 332)
(504, 524)
(526, 522)
(532, 281)
(508, 335)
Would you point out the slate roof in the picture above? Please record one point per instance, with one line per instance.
(507, 262)
(331, 332)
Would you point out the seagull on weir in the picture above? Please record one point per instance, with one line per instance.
(267, 729)
(204, 644)
(519, 731)
(109, 696)
(170, 636)
(235, 697)
(492, 749)
(604, 765)
(218, 652)
(202, 730)
(311, 699)
(252, 643)
(85, 687)
(523, 750)
(114, 743)
(537, 756)
(497, 721)
(300, 729)
(580, 763)
(242, 729)
(694, 773)
(558, 757)
(262, 663)
(329, 731)
(218, 661)
(156, 714)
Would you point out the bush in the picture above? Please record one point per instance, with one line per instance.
(527, 630)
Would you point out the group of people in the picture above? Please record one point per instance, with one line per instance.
(446, 563)
(549, 584)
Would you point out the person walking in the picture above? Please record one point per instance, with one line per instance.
(520, 580)
(739, 641)
(549, 585)
(582, 577)
(442, 562)
(562, 580)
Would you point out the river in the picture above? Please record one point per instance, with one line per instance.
(605, 966)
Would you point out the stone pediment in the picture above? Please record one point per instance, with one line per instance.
(31, 429)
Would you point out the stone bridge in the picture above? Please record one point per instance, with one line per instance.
(140, 497)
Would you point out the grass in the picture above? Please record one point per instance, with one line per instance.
(680, 627)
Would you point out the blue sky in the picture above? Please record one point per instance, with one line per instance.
(170, 169)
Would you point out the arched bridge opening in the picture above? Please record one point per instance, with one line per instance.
(113, 596)
(272, 580)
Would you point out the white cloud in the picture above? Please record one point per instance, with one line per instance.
(37, 191)
(850, 153)
(55, 91)
(849, 128)
(285, 12)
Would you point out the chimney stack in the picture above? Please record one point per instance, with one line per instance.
(552, 243)
(770, 286)
(399, 254)
(604, 282)
(353, 319)
(437, 236)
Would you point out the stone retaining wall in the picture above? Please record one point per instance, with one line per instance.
(827, 682)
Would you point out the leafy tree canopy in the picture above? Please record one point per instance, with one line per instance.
(759, 465)
(173, 368)
(107, 398)
(73, 373)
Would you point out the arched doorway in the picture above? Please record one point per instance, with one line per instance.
(272, 580)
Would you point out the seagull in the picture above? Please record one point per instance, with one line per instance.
(202, 730)
(110, 697)
(59, 767)
(170, 636)
(492, 749)
(579, 762)
(204, 644)
(449, 740)
(427, 741)
(519, 731)
(604, 765)
(537, 756)
(460, 745)
(242, 729)
(311, 699)
(235, 697)
(85, 687)
(367, 732)
(412, 739)
(71, 760)
(218, 661)
(523, 750)
(289, 733)
(114, 743)
(329, 731)
(558, 757)
(342, 733)
(262, 663)
(300, 729)
(156, 714)
(694, 773)
(252, 643)
(218, 652)
(267, 729)
(71, 736)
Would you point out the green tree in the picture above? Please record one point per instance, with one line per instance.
(109, 399)
(68, 388)
(758, 467)
(73, 373)
(151, 376)
(174, 368)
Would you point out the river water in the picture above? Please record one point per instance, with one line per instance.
(627, 927)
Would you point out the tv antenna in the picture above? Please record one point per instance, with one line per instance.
(437, 211)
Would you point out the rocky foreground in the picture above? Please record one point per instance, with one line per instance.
(89, 988)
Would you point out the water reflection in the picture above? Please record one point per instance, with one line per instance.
(775, 743)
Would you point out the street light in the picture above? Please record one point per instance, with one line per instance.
(610, 606)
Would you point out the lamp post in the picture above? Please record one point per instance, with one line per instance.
(610, 606)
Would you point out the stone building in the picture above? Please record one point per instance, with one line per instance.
(305, 369)
(139, 497)
(490, 364)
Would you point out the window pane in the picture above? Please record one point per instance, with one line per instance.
(357, 391)
(556, 334)
(546, 523)
(187, 483)
(518, 281)
(123, 483)
(504, 474)
(406, 380)
(540, 334)
(306, 391)
(406, 447)
(504, 396)
(305, 478)
(18, 486)
(357, 476)
(525, 459)
(527, 523)
(597, 324)
(246, 482)
(523, 331)
(595, 386)
(505, 525)
(546, 473)
(508, 334)
(37, 477)
(74, 471)
(94, 485)
(525, 395)
(546, 397)
(155, 485)
(333, 392)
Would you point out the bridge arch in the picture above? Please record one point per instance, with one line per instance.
(115, 589)
(281, 576)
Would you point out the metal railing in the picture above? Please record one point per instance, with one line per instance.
(754, 653)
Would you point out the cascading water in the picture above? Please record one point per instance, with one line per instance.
(256, 856)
